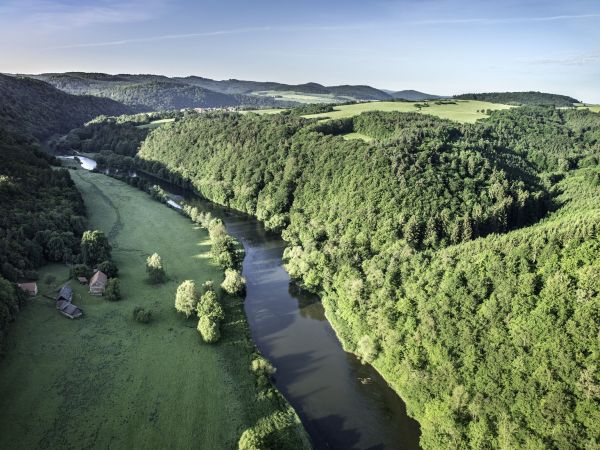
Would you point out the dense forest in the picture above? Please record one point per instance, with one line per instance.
(521, 98)
(41, 218)
(489, 335)
(34, 108)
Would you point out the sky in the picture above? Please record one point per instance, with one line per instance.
(437, 46)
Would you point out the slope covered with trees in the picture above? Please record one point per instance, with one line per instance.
(492, 342)
(34, 108)
(521, 98)
(41, 219)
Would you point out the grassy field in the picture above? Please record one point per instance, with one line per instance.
(156, 123)
(106, 381)
(300, 97)
(594, 108)
(461, 111)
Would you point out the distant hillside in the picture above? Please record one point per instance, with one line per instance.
(413, 95)
(521, 98)
(152, 92)
(32, 107)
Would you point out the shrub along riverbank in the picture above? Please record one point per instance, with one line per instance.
(461, 260)
(131, 384)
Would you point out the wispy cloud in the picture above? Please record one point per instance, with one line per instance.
(505, 20)
(247, 30)
(575, 59)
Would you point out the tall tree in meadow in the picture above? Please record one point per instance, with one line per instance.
(155, 269)
(186, 297)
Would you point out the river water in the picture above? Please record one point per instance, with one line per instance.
(343, 404)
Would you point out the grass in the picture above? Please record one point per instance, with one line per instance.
(594, 108)
(156, 123)
(364, 137)
(302, 97)
(106, 381)
(460, 111)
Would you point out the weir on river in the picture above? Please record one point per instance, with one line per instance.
(343, 403)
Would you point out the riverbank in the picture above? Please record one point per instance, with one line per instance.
(107, 381)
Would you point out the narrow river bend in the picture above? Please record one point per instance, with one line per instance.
(343, 404)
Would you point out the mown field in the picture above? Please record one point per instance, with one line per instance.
(156, 123)
(106, 381)
(300, 97)
(594, 108)
(459, 111)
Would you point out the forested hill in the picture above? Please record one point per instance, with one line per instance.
(41, 218)
(489, 335)
(34, 108)
(521, 98)
(153, 92)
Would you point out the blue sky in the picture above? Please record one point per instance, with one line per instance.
(437, 46)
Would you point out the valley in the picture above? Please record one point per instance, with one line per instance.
(150, 384)
(417, 273)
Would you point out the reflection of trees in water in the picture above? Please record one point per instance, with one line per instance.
(309, 304)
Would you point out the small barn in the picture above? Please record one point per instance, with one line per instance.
(82, 280)
(65, 293)
(64, 305)
(98, 283)
(31, 287)
(68, 309)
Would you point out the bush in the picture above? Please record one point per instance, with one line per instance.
(113, 290)
(250, 440)
(109, 268)
(142, 315)
(367, 349)
(234, 283)
(262, 366)
(81, 270)
(50, 279)
(155, 269)
(186, 297)
(209, 329)
(209, 306)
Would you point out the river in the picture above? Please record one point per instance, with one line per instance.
(343, 403)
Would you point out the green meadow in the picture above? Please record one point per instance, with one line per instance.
(156, 123)
(107, 381)
(459, 110)
(301, 97)
(594, 108)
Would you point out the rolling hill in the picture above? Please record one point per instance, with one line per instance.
(521, 98)
(33, 107)
(412, 95)
(156, 92)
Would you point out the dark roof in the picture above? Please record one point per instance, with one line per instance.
(65, 292)
(68, 309)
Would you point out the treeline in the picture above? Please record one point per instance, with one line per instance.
(121, 135)
(492, 342)
(33, 108)
(41, 219)
(521, 98)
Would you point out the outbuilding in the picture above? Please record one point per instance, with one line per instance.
(98, 283)
(31, 287)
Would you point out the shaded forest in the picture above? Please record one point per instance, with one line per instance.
(34, 108)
